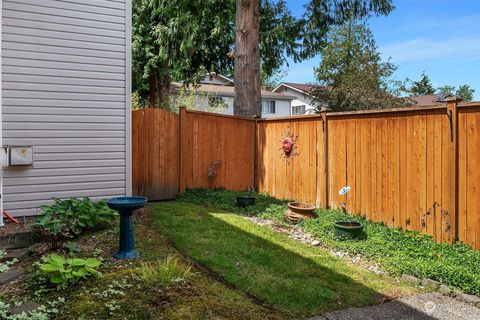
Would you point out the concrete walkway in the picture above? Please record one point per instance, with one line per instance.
(422, 307)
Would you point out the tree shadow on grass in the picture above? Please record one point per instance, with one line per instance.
(292, 277)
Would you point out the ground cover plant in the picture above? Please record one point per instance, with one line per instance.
(398, 252)
(284, 273)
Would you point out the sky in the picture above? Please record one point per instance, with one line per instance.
(440, 37)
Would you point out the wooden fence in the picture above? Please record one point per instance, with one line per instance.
(173, 152)
(416, 169)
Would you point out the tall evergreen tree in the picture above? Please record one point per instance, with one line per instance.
(352, 75)
(465, 92)
(422, 87)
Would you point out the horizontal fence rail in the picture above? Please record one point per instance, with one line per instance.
(414, 168)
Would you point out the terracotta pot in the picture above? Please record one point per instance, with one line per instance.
(304, 210)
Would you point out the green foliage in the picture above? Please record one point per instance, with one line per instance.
(192, 99)
(465, 92)
(163, 273)
(47, 311)
(422, 87)
(397, 251)
(179, 40)
(64, 272)
(226, 200)
(66, 219)
(446, 89)
(5, 265)
(352, 75)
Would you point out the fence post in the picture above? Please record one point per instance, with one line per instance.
(182, 147)
(452, 103)
(325, 198)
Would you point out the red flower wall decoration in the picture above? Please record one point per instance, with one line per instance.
(289, 144)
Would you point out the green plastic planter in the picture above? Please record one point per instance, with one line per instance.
(348, 229)
(245, 201)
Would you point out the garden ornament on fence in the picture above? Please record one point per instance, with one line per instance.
(289, 144)
(212, 171)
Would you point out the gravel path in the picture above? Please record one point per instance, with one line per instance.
(426, 306)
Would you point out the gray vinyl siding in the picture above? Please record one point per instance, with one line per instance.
(64, 84)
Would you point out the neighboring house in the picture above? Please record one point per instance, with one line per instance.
(219, 98)
(302, 104)
(65, 69)
(429, 99)
(217, 79)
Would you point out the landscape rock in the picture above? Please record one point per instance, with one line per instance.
(26, 307)
(17, 253)
(410, 278)
(444, 289)
(429, 283)
(468, 298)
(10, 275)
(315, 243)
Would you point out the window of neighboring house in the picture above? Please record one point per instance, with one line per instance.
(268, 106)
(298, 109)
(215, 101)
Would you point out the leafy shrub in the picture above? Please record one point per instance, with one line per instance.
(64, 272)
(66, 219)
(397, 251)
(163, 273)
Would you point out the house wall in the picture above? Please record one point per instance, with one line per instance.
(66, 88)
(282, 108)
(301, 98)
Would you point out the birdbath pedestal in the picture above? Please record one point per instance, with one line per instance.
(125, 207)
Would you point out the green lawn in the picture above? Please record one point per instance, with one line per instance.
(291, 276)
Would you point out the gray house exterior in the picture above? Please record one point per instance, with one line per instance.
(65, 75)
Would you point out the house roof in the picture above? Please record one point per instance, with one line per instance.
(229, 80)
(429, 99)
(229, 91)
(300, 87)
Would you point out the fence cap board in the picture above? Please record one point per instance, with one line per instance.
(213, 114)
(291, 118)
(392, 110)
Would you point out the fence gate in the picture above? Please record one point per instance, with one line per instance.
(155, 154)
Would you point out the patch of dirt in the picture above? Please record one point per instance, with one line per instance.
(12, 228)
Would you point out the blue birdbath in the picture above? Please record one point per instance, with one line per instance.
(125, 206)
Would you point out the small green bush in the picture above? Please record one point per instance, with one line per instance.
(398, 252)
(64, 272)
(163, 273)
(66, 219)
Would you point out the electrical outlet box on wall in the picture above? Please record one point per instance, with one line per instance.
(20, 155)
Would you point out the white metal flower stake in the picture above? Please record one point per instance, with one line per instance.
(343, 192)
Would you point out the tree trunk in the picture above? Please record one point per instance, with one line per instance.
(159, 90)
(247, 101)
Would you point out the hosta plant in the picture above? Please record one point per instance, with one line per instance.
(64, 272)
(66, 219)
